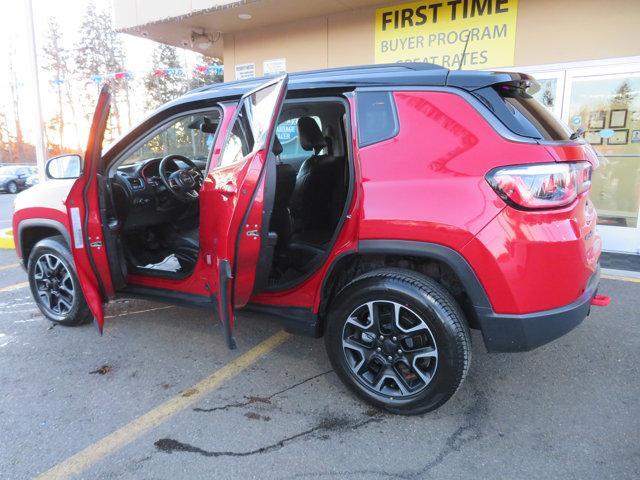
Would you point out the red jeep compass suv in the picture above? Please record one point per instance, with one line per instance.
(390, 208)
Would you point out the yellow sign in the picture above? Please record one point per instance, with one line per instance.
(437, 31)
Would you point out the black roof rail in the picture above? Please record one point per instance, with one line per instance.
(363, 69)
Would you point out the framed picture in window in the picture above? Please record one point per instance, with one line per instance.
(619, 137)
(597, 119)
(618, 118)
(593, 137)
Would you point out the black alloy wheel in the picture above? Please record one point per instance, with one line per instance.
(54, 283)
(398, 340)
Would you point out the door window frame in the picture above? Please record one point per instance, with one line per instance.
(232, 123)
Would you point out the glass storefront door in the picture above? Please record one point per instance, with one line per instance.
(607, 106)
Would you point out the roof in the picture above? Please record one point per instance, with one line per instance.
(345, 78)
(394, 74)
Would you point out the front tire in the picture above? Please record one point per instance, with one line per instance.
(54, 283)
(12, 188)
(398, 340)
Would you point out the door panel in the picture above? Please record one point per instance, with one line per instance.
(83, 208)
(237, 199)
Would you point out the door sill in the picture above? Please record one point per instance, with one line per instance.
(171, 297)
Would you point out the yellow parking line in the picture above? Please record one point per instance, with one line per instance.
(133, 430)
(15, 286)
(622, 279)
(7, 267)
(6, 238)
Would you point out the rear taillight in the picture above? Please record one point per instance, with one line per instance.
(541, 185)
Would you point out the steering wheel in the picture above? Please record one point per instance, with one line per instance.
(184, 183)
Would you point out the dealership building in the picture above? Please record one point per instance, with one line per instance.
(586, 55)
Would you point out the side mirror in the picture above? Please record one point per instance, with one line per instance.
(64, 166)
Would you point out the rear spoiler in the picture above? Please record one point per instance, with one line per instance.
(475, 80)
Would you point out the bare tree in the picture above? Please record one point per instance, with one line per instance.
(5, 137)
(17, 154)
(56, 62)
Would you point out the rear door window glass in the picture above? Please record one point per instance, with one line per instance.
(251, 125)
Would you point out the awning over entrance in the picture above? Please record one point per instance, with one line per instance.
(182, 22)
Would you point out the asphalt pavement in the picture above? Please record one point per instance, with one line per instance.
(159, 396)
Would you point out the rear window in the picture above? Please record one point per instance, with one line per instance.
(525, 108)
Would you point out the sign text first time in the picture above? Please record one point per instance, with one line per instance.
(436, 31)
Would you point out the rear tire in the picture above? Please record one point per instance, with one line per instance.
(12, 187)
(415, 353)
(54, 283)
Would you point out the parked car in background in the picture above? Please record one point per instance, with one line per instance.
(13, 178)
(388, 208)
(32, 179)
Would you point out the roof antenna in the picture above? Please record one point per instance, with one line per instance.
(464, 52)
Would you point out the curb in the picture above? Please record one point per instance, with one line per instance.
(6, 238)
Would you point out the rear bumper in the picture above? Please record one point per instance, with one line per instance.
(517, 333)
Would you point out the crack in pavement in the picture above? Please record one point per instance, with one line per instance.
(469, 431)
(328, 424)
(257, 399)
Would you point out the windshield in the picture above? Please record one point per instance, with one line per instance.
(8, 170)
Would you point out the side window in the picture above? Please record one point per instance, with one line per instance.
(191, 135)
(287, 133)
(377, 117)
(251, 126)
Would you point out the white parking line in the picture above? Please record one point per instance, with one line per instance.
(15, 286)
(123, 314)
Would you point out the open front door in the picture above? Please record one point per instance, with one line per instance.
(240, 202)
(83, 208)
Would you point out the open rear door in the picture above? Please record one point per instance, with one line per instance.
(239, 201)
(83, 208)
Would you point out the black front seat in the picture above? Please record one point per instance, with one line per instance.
(319, 194)
(186, 246)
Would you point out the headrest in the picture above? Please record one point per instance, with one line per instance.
(277, 146)
(327, 131)
(311, 137)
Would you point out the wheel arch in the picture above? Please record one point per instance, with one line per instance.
(32, 230)
(437, 261)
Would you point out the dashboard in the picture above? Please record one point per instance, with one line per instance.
(140, 197)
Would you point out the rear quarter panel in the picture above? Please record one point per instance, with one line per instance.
(427, 183)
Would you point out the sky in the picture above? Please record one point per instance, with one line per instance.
(69, 14)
